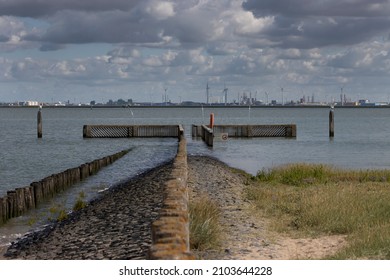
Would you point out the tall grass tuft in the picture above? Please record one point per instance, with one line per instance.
(369, 243)
(205, 230)
(352, 203)
(80, 202)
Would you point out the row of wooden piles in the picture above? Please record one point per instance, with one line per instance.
(17, 202)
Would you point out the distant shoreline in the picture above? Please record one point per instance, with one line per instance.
(197, 106)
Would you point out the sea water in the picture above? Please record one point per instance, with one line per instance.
(361, 142)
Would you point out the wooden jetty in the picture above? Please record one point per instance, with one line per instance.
(128, 131)
(271, 130)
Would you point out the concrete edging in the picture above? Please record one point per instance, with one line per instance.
(170, 232)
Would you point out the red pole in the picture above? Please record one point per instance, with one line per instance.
(211, 120)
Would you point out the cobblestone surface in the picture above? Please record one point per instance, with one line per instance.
(115, 226)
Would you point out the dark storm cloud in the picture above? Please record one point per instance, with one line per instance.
(309, 24)
(311, 33)
(90, 21)
(303, 8)
(109, 27)
(45, 47)
(39, 8)
(3, 38)
(151, 22)
(194, 23)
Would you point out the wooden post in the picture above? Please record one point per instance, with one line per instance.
(20, 201)
(84, 171)
(331, 123)
(38, 194)
(293, 130)
(85, 131)
(208, 135)
(2, 211)
(39, 125)
(29, 197)
(12, 207)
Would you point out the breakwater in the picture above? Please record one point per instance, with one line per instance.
(128, 131)
(170, 232)
(18, 201)
(208, 133)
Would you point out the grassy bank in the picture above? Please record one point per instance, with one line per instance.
(315, 200)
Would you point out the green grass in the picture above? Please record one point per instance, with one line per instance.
(57, 212)
(80, 202)
(320, 200)
(296, 175)
(205, 230)
(302, 174)
(62, 215)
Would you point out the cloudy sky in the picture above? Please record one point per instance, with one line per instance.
(83, 50)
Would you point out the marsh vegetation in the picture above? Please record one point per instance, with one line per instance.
(318, 200)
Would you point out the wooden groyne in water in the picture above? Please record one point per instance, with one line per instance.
(128, 131)
(265, 130)
(269, 130)
(19, 201)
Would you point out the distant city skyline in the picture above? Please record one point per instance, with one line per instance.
(242, 100)
(151, 51)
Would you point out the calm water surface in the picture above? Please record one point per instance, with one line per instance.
(361, 142)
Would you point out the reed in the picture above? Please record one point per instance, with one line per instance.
(80, 202)
(205, 230)
(322, 200)
(57, 212)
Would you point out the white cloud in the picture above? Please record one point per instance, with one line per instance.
(160, 9)
(153, 61)
(247, 24)
(12, 32)
(169, 56)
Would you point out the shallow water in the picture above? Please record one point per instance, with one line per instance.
(361, 141)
